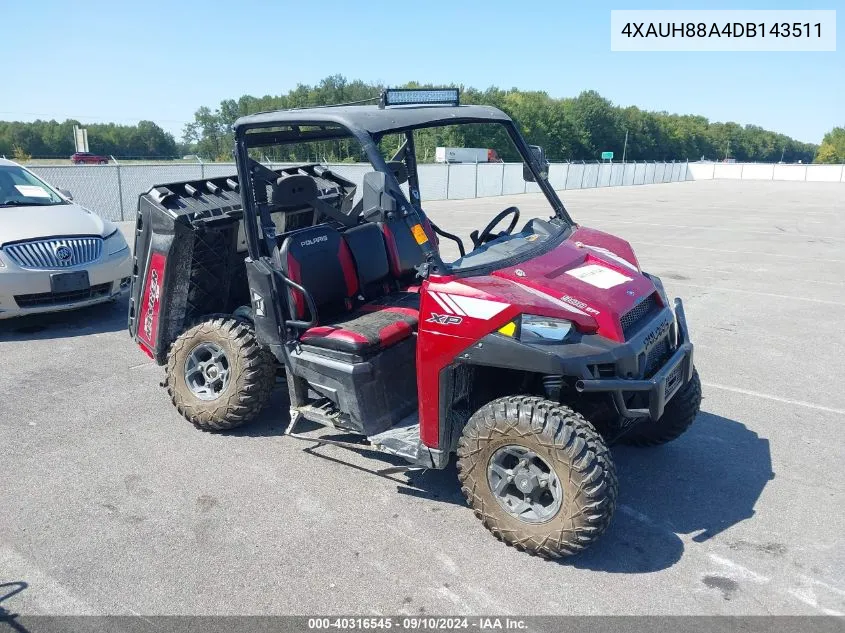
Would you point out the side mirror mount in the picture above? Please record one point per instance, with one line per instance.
(400, 172)
(377, 203)
(539, 156)
(67, 194)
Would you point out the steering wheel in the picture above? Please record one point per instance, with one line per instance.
(487, 234)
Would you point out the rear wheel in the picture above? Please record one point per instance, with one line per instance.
(677, 417)
(538, 475)
(218, 376)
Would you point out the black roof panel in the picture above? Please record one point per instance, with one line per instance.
(370, 118)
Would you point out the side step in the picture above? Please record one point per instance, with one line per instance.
(402, 440)
(323, 412)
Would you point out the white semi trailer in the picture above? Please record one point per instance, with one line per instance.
(466, 155)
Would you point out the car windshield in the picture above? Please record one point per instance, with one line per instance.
(20, 188)
(464, 170)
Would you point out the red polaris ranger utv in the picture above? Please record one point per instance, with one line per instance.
(527, 356)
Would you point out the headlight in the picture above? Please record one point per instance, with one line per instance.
(115, 243)
(538, 329)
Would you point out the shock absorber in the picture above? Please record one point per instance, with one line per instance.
(552, 386)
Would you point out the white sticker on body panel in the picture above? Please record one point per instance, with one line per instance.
(611, 254)
(468, 306)
(32, 191)
(598, 276)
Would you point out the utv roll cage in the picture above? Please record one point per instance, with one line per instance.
(368, 125)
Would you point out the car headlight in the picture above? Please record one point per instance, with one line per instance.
(115, 243)
(537, 329)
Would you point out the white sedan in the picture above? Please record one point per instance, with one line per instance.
(54, 254)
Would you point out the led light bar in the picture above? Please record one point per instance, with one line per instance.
(412, 96)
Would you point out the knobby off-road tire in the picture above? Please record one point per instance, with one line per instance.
(568, 444)
(250, 381)
(677, 417)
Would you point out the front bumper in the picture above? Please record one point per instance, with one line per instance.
(108, 277)
(661, 387)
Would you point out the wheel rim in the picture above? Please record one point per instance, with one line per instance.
(207, 371)
(524, 484)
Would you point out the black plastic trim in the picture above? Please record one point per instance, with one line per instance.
(574, 359)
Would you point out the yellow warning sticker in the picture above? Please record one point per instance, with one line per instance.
(419, 234)
(508, 329)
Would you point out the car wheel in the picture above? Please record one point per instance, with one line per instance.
(218, 375)
(538, 475)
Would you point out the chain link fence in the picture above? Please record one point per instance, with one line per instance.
(112, 191)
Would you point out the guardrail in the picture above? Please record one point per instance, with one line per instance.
(112, 190)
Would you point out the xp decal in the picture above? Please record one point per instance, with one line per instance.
(444, 319)
(468, 306)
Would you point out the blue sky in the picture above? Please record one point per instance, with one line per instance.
(121, 62)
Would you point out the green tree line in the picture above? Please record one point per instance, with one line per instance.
(51, 139)
(571, 128)
(832, 149)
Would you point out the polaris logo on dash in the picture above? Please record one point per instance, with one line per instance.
(315, 240)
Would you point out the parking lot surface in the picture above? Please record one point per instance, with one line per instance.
(113, 504)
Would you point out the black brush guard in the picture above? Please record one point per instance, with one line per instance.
(664, 384)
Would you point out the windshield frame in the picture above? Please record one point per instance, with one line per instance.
(55, 199)
(249, 135)
(529, 158)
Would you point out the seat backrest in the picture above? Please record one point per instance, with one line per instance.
(370, 256)
(293, 191)
(318, 259)
(291, 202)
(404, 254)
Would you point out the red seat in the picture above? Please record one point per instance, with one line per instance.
(402, 248)
(365, 331)
(339, 278)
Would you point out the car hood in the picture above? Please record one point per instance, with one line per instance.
(592, 279)
(59, 220)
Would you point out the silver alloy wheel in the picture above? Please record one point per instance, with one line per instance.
(207, 371)
(524, 484)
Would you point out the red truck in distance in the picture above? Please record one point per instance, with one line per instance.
(86, 158)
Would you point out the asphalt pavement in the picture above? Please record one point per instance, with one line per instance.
(113, 504)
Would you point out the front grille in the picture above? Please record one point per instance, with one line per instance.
(62, 298)
(657, 356)
(637, 316)
(56, 252)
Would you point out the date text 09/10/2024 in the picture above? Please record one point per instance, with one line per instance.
(418, 623)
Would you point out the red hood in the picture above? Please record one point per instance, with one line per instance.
(591, 279)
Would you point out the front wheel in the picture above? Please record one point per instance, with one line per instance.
(677, 417)
(218, 376)
(538, 475)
